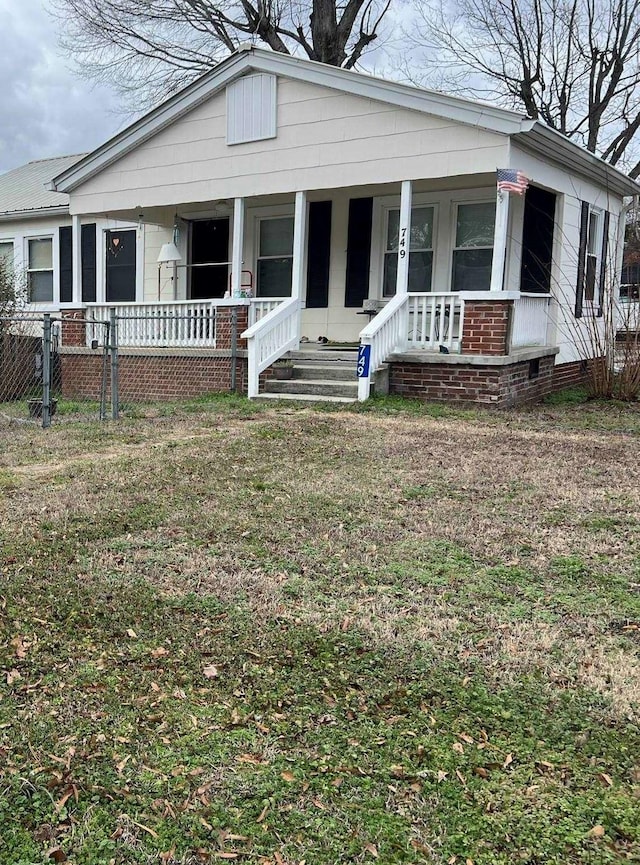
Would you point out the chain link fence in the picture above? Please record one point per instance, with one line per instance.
(120, 362)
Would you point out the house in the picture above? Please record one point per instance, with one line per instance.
(313, 199)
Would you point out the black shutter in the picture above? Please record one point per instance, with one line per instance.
(65, 241)
(582, 256)
(88, 252)
(603, 261)
(318, 254)
(358, 251)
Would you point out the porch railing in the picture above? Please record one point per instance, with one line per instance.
(530, 324)
(269, 338)
(435, 319)
(169, 324)
(411, 321)
(261, 306)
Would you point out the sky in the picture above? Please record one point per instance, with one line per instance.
(45, 110)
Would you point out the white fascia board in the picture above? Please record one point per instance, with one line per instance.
(401, 95)
(152, 123)
(21, 215)
(553, 146)
(359, 84)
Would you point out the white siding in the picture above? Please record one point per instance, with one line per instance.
(326, 140)
(251, 109)
(570, 332)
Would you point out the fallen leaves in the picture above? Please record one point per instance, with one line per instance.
(13, 676)
(211, 672)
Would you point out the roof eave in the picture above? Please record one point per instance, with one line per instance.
(543, 141)
(35, 213)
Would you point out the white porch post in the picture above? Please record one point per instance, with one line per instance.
(236, 248)
(500, 242)
(76, 261)
(299, 236)
(404, 238)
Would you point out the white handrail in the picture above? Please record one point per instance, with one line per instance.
(271, 337)
(419, 320)
(259, 307)
(385, 333)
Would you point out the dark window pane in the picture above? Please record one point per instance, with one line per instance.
(590, 278)
(41, 287)
(420, 265)
(472, 269)
(274, 277)
(276, 236)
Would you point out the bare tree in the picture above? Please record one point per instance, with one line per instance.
(575, 64)
(148, 49)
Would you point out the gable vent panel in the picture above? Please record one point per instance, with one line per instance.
(251, 109)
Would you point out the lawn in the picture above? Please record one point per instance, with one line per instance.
(404, 634)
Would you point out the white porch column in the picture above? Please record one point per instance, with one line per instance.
(500, 241)
(299, 237)
(404, 238)
(236, 247)
(76, 261)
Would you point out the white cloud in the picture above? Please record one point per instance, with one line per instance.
(44, 109)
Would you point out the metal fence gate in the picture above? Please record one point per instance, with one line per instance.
(31, 373)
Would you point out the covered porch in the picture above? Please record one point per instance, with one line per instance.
(407, 267)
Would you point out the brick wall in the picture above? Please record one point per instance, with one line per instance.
(485, 385)
(151, 378)
(486, 327)
(73, 327)
(569, 374)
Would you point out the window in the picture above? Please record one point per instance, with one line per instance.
(420, 250)
(594, 245)
(251, 109)
(6, 252)
(473, 251)
(275, 256)
(40, 269)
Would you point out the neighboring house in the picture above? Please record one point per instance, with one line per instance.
(36, 234)
(329, 194)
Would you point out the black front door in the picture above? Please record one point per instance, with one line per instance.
(537, 240)
(121, 266)
(209, 257)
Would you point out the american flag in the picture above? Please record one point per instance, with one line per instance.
(510, 180)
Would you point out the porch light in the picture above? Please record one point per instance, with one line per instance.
(169, 253)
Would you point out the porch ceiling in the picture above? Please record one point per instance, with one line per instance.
(166, 214)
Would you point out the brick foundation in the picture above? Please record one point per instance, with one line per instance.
(152, 378)
(500, 386)
(569, 374)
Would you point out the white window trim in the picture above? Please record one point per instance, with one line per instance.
(387, 209)
(102, 227)
(228, 216)
(455, 204)
(444, 203)
(591, 307)
(264, 214)
(54, 269)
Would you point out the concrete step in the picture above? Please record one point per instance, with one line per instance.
(317, 387)
(333, 371)
(304, 397)
(321, 355)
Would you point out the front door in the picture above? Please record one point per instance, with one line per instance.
(121, 266)
(209, 258)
